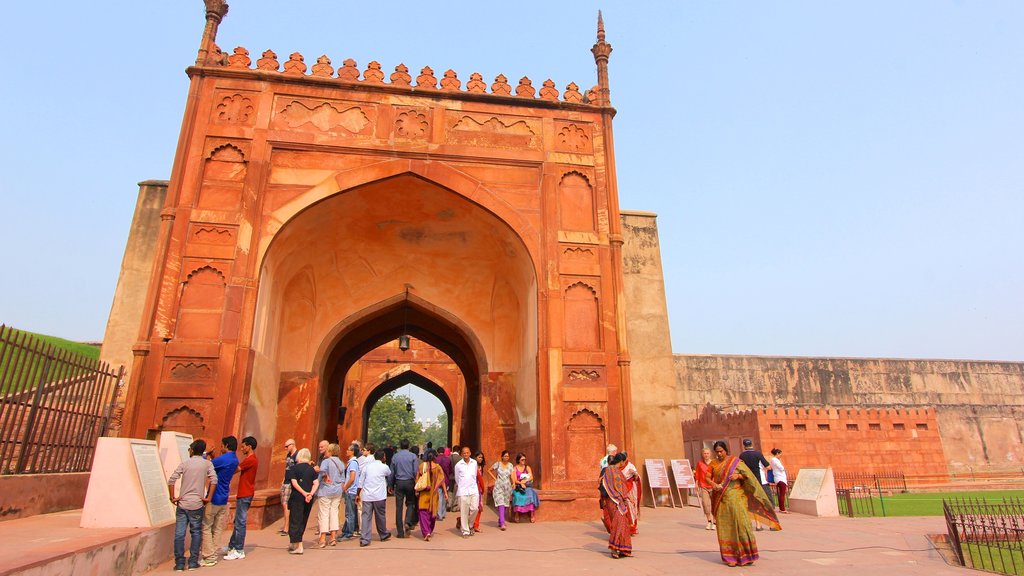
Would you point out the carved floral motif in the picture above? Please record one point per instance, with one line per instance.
(573, 138)
(234, 109)
(588, 375)
(213, 235)
(411, 124)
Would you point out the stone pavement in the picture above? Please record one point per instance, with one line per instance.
(671, 541)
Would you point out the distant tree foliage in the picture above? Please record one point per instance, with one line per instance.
(390, 422)
(437, 432)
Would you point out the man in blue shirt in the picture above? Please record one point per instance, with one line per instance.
(217, 510)
(402, 483)
(350, 488)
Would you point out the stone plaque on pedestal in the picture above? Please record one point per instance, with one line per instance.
(814, 493)
(127, 486)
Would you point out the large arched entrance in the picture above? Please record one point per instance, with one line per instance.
(397, 256)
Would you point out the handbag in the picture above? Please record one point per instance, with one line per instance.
(425, 481)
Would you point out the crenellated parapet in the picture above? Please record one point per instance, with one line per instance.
(349, 73)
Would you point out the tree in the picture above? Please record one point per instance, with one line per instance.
(390, 422)
(437, 433)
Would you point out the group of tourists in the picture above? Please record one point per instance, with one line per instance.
(736, 500)
(201, 502)
(738, 495)
(425, 487)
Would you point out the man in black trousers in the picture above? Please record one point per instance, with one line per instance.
(403, 485)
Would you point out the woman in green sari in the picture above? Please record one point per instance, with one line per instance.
(736, 492)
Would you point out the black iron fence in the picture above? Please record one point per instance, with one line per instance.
(54, 404)
(986, 534)
(864, 494)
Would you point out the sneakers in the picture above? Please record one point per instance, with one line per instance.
(207, 563)
(235, 555)
(710, 526)
(179, 568)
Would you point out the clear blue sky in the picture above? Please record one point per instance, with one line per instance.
(831, 178)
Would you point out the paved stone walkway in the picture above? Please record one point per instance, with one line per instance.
(671, 541)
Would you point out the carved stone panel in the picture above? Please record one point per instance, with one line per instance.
(582, 314)
(492, 131)
(211, 240)
(579, 259)
(323, 116)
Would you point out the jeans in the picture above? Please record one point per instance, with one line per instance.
(237, 541)
(405, 491)
(194, 520)
(351, 523)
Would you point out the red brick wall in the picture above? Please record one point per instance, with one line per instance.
(868, 440)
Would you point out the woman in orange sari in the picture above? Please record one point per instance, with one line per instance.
(736, 492)
(616, 507)
(427, 500)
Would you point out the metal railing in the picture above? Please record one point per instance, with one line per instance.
(987, 535)
(54, 404)
(861, 494)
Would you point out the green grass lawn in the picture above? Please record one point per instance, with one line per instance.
(21, 371)
(995, 559)
(930, 504)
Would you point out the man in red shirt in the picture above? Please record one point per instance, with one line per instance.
(702, 475)
(243, 498)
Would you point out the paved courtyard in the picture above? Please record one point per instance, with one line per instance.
(671, 541)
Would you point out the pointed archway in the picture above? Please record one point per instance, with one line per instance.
(401, 380)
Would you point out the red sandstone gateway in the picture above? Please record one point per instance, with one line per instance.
(313, 216)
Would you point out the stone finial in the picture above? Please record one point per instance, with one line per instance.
(268, 62)
(239, 58)
(500, 86)
(348, 71)
(450, 81)
(525, 88)
(601, 51)
(401, 77)
(323, 67)
(476, 83)
(296, 65)
(373, 73)
(572, 93)
(426, 79)
(548, 91)
(215, 12)
(216, 9)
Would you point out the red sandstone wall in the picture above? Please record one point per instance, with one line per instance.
(978, 406)
(848, 440)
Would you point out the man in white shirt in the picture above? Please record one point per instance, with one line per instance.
(373, 493)
(469, 495)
